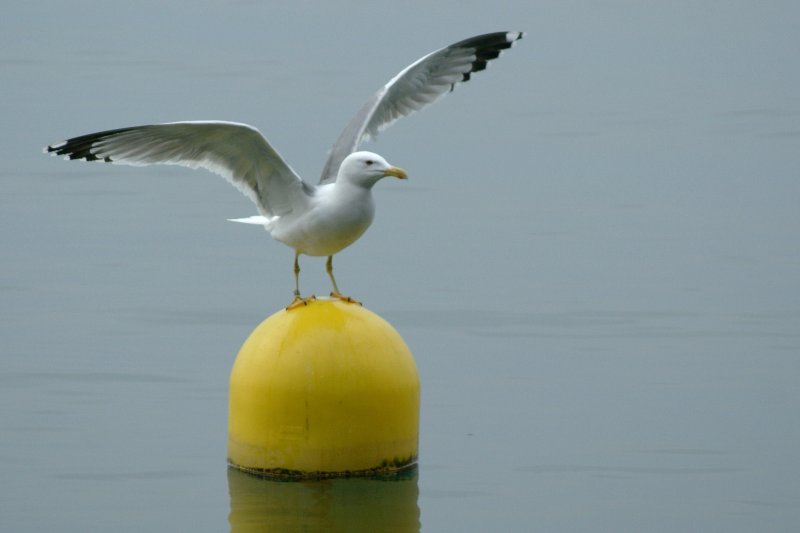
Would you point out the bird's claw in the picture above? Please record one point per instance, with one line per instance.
(300, 302)
(344, 298)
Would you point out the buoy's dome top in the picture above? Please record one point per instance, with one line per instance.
(323, 390)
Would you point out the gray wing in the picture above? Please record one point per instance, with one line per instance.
(415, 87)
(237, 152)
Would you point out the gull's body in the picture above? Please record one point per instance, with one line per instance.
(338, 214)
(316, 220)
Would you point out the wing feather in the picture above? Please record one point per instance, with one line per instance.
(420, 84)
(237, 152)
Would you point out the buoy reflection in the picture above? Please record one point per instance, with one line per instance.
(354, 504)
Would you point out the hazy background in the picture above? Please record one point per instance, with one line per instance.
(595, 262)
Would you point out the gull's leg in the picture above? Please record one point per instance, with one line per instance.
(298, 300)
(329, 269)
(296, 275)
(336, 294)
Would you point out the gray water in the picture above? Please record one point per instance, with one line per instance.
(596, 263)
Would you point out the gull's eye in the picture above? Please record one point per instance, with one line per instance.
(369, 162)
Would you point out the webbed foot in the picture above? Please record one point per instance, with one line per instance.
(300, 302)
(344, 298)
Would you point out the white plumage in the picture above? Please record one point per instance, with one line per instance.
(317, 220)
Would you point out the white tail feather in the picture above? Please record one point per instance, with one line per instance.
(257, 220)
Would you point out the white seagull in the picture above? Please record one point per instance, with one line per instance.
(317, 220)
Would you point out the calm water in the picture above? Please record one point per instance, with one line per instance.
(596, 264)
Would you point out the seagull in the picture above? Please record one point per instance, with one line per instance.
(315, 220)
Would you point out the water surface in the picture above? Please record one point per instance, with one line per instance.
(595, 263)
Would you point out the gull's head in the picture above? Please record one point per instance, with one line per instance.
(366, 168)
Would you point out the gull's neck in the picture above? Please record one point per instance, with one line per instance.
(348, 189)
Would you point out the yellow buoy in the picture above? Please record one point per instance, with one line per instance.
(325, 390)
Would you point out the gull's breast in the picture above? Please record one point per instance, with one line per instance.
(328, 227)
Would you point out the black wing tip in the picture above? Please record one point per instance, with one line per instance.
(73, 149)
(90, 157)
(80, 148)
(487, 47)
(512, 37)
(499, 40)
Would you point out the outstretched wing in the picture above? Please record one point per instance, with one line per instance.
(418, 85)
(237, 152)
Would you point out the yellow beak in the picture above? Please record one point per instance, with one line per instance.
(397, 172)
